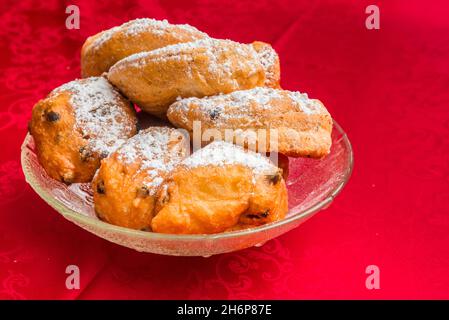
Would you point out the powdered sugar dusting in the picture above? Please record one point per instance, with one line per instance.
(268, 58)
(304, 104)
(220, 153)
(99, 113)
(241, 98)
(160, 27)
(241, 101)
(157, 150)
(138, 26)
(217, 52)
(104, 37)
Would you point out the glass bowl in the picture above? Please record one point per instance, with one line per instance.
(312, 185)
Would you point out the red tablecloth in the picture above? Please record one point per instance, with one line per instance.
(388, 89)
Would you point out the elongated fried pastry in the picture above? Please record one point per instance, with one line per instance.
(79, 123)
(104, 49)
(127, 181)
(218, 188)
(291, 123)
(155, 79)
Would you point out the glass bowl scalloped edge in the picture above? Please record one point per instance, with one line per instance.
(188, 245)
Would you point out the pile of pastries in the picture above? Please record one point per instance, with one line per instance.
(87, 130)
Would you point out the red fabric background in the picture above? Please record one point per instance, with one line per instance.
(388, 88)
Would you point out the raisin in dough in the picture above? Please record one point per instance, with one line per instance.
(220, 188)
(297, 125)
(126, 183)
(79, 123)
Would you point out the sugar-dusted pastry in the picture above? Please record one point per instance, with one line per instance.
(291, 123)
(126, 183)
(102, 50)
(155, 79)
(79, 123)
(218, 188)
(270, 62)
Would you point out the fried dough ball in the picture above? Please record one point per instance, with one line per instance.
(104, 49)
(125, 185)
(219, 188)
(79, 123)
(155, 79)
(264, 118)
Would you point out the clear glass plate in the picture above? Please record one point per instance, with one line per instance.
(312, 185)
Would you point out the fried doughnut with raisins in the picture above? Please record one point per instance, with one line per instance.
(218, 188)
(125, 185)
(273, 120)
(79, 123)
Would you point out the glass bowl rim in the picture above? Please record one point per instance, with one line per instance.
(98, 224)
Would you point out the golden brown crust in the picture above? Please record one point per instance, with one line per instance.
(57, 145)
(157, 78)
(301, 126)
(216, 195)
(125, 185)
(104, 49)
(69, 142)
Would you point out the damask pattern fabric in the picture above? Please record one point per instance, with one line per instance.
(388, 88)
